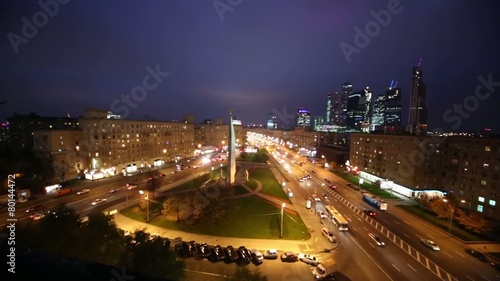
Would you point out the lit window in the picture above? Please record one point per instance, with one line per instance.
(480, 208)
(487, 148)
(480, 199)
(483, 182)
(485, 165)
(97, 154)
(492, 203)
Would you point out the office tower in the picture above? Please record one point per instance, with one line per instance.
(378, 113)
(393, 107)
(272, 122)
(303, 118)
(329, 108)
(417, 119)
(319, 123)
(346, 92)
(359, 110)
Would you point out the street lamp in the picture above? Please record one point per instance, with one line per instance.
(281, 231)
(452, 212)
(147, 203)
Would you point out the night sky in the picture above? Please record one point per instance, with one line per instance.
(254, 57)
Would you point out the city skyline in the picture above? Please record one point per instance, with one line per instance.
(204, 59)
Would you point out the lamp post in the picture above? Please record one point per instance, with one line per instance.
(452, 212)
(147, 204)
(281, 230)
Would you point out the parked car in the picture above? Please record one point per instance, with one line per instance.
(271, 254)
(203, 251)
(217, 253)
(430, 244)
(328, 234)
(231, 254)
(289, 257)
(306, 258)
(370, 212)
(257, 257)
(478, 255)
(376, 239)
(243, 255)
(189, 249)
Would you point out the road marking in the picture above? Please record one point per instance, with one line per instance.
(206, 273)
(406, 235)
(407, 223)
(483, 277)
(411, 267)
(387, 222)
(460, 254)
(469, 277)
(448, 254)
(396, 267)
(397, 222)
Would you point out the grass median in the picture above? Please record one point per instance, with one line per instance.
(270, 185)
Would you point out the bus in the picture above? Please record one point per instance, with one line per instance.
(375, 201)
(337, 218)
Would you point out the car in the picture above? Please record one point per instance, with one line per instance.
(322, 214)
(430, 244)
(306, 258)
(217, 253)
(37, 216)
(350, 185)
(256, 256)
(325, 196)
(203, 251)
(131, 185)
(376, 239)
(289, 257)
(496, 266)
(188, 249)
(34, 209)
(478, 255)
(329, 235)
(333, 186)
(327, 180)
(243, 255)
(83, 191)
(162, 175)
(113, 190)
(370, 212)
(98, 201)
(271, 254)
(231, 254)
(313, 171)
(308, 176)
(316, 198)
(308, 204)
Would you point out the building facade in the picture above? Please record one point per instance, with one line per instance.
(468, 167)
(303, 118)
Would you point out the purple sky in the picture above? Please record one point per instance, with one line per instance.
(256, 57)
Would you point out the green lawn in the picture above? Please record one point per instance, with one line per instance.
(196, 183)
(239, 189)
(254, 218)
(252, 184)
(270, 185)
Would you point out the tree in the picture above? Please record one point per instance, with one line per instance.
(442, 209)
(376, 184)
(244, 274)
(474, 222)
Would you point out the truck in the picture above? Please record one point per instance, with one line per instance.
(324, 268)
(63, 191)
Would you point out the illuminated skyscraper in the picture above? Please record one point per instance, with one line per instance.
(303, 118)
(393, 107)
(417, 119)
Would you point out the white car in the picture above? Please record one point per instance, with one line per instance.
(98, 201)
(316, 198)
(322, 214)
(430, 244)
(306, 258)
(83, 191)
(329, 235)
